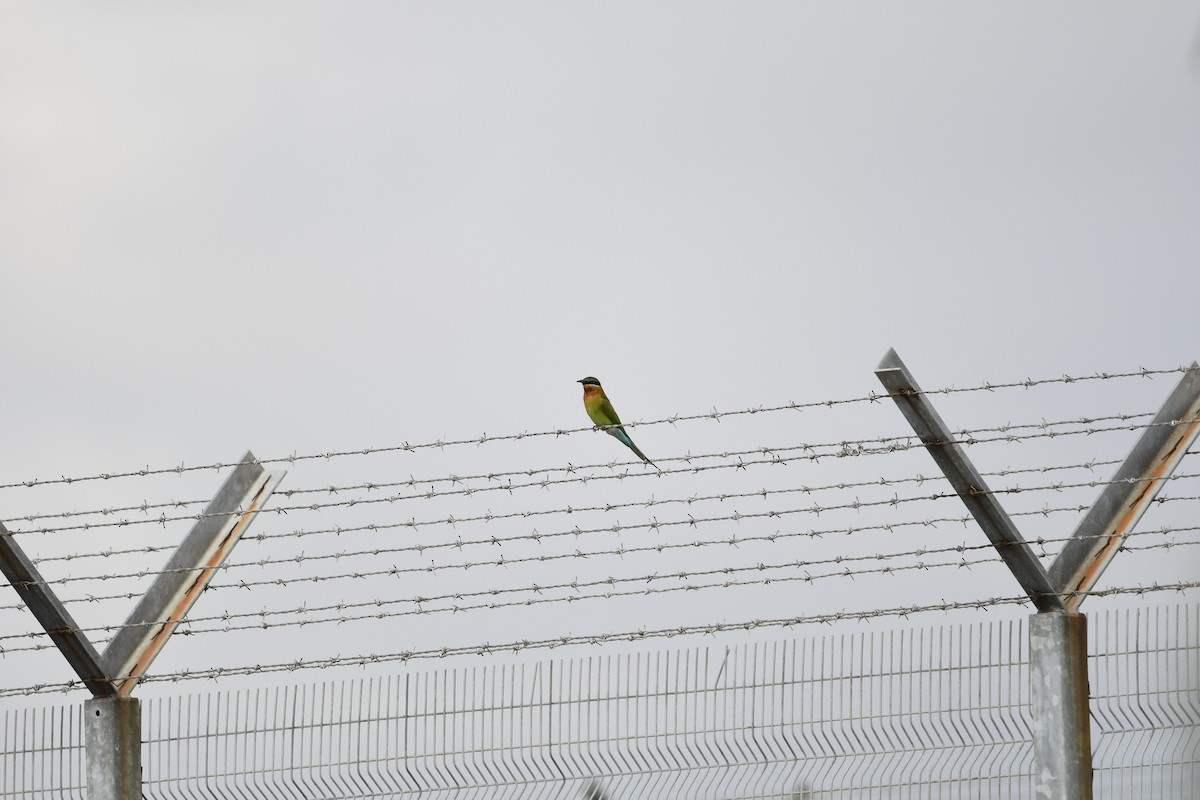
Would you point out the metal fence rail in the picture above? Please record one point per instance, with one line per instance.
(927, 712)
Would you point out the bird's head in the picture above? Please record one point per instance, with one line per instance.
(589, 381)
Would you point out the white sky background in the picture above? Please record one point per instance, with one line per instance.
(311, 227)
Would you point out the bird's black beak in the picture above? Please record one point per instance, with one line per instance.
(579, 381)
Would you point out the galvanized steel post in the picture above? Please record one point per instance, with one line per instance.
(112, 730)
(1062, 736)
(1058, 635)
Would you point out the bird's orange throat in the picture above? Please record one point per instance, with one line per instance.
(590, 391)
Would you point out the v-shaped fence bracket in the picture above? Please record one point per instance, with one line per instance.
(1099, 535)
(174, 591)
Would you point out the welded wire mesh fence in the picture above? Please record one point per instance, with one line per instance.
(926, 712)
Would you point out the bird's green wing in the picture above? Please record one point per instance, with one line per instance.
(605, 410)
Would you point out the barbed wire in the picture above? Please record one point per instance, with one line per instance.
(537, 537)
(188, 629)
(837, 447)
(660, 547)
(722, 497)
(459, 544)
(816, 509)
(714, 414)
(576, 585)
(567, 510)
(533, 595)
(570, 640)
(86, 599)
(419, 602)
(848, 449)
(962, 563)
(145, 507)
(496, 540)
(732, 541)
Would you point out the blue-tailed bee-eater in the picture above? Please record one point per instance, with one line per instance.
(600, 410)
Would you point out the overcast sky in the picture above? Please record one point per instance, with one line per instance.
(310, 226)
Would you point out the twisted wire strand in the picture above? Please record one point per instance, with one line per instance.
(188, 626)
(816, 509)
(722, 497)
(733, 541)
(622, 551)
(837, 447)
(487, 648)
(714, 414)
(145, 507)
(610, 581)
(490, 541)
(607, 508)
(848, 449)
(344, 618)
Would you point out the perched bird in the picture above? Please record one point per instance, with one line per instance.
(601, 412)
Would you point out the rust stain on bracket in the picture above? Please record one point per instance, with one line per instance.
(1152, 483)
(205, 573)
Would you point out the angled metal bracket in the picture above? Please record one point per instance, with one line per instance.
(188, 572)
(1114, 514)
(53, 616)
(174, 591)
(1130, 492)
(968, 483)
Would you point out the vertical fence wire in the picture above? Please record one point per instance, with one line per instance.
(931, 712)
(41, 753)
(1145, 682)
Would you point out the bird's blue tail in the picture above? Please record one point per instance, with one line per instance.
(623, 438)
